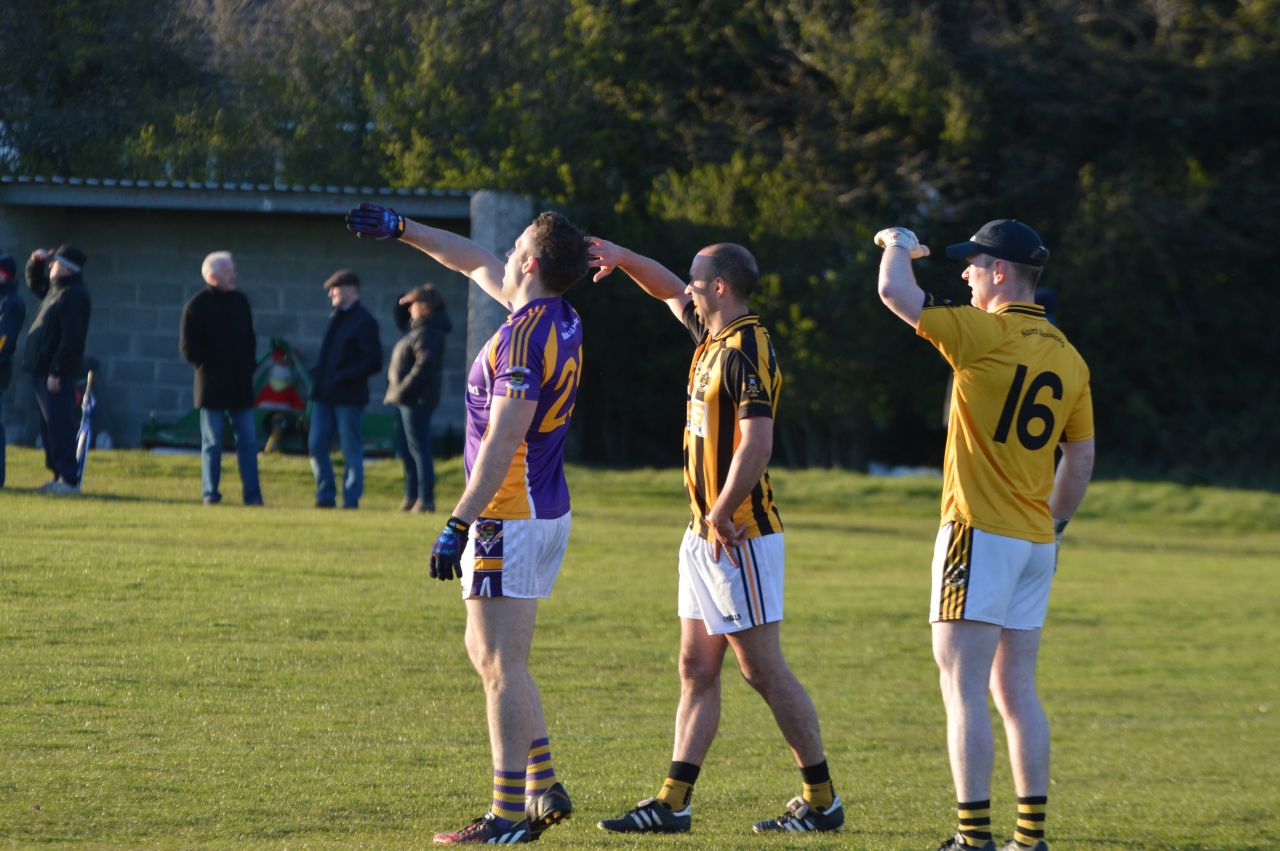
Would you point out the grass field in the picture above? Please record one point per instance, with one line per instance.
(179, 676)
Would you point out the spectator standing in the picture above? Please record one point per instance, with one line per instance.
(55, 357)
(12, 314)
(350, 353)
(217, 338)
(413, 386)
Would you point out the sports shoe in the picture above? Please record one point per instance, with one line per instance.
(955, 843)
(802, 818)
(61, 488)
(549, 808)
(49, 485)
(1014, 845)
(649, 816)
(485, 832)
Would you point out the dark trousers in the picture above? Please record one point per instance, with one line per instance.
(413, 444)
(59, 421)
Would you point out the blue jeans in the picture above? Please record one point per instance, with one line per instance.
(59, 422)
(212, 426)
(413, 443)
(346, 419)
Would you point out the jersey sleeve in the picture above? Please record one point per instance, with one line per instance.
(517, 358)
(695, 325)
(1080, 421)
(744, 384)
(961, 334)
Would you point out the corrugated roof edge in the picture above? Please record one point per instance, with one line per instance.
(204, 186)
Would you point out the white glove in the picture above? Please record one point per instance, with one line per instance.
(904, 238)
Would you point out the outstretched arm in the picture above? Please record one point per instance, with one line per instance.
(654, 278)
(370, 221)
(898, 288)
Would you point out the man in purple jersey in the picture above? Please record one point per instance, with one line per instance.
(507, 535)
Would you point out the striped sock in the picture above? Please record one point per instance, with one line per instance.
(539, 776)
(975, 822)
(508, 797)
(818, 791)
(1030, 829)
(677, 789)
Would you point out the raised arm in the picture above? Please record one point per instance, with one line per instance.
(898, 288)
(370, 221)
(654, 278)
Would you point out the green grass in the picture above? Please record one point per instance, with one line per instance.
(179, 676)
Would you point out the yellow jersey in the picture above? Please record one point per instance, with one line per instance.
(1020, 389)
(734, 375)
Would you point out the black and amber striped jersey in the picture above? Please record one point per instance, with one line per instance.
(734, 376)
(1020, 389)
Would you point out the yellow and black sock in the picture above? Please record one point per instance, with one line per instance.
(818, 791)
(508, 797)
(1030, 829)
(677, 789)
(539, 775)
(975, 822)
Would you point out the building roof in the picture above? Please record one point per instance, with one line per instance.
(42, 191)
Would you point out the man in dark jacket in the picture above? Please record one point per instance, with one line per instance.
(413, 386)
(350, 353)
(217, 339)
(55, 357)
(12, 314)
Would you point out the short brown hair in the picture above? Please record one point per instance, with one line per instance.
(560, 248)
(735, 265)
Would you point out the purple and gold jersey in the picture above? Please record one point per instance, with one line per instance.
(536, 355)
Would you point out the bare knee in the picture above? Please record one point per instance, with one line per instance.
(698, 673)
(1015, 697)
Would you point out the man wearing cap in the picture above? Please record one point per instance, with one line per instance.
(12, 314)
(350, 353)
(1020, 392)
(55, 357)
(216, 337)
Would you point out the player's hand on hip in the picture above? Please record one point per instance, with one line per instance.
(370, 221)
(446, 553)
(903, 238)
(603, 257)
(725, 537)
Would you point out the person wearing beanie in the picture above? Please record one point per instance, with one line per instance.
(350, 353)
(12, 313)
(217, 339)
(54, 356)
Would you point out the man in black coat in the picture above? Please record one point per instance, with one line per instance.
(350, 353)
(217, 339)
(12, 314)
(55, 357)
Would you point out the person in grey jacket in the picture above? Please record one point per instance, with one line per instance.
(55, 357)
(413, 386)
(12, 314)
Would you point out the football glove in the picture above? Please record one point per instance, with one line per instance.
(904, 238)
(446, 553)
(369, 221)
(1059, 526)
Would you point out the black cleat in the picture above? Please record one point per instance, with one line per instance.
(484, 831)
(549, 808)
(802, 818)
(649, 816)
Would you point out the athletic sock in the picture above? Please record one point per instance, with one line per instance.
(1030, 829)
(677, 789)
(508, 797)
(975, 822)
(539, 776)
(818, 791)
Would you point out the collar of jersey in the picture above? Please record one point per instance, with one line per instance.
(740, 322)
(533, 304)
(1024, 307)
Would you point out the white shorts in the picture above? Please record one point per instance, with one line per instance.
(727, 598)
(978, 576)
(513, 558)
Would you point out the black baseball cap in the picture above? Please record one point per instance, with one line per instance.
(1007, 239)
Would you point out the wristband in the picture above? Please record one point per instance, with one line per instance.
(453, 524)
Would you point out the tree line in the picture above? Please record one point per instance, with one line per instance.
(1140, 139)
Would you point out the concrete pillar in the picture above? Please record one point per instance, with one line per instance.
(497, 218)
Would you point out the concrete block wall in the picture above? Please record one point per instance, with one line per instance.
(144, 264)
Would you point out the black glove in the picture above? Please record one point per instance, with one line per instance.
(369, 221)
(446, 553)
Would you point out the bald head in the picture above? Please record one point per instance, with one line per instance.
(734, 265)
(219, 270)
